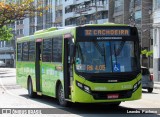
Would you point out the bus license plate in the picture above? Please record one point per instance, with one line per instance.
(113, 96)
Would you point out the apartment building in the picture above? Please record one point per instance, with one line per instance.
(58, 20)
(47, 20)
(79, 12)
(156, 39)
(135, 13)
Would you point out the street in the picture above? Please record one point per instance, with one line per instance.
(13, 96)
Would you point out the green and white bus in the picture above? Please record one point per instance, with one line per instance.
(93, 63)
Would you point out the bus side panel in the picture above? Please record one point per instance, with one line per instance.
(25, 69)
(50, 74)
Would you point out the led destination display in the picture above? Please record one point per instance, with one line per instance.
(107, 32)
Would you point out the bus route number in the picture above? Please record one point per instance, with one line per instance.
(97, 67)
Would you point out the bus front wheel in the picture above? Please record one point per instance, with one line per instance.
(30, 89)
(60, 96)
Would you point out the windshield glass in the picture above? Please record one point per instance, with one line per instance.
(105, 57)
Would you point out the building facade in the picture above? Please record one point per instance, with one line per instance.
(135, 13)
(156, 39)
(79, 12)
(7, 48)
(58, 20)
(71, 13)
(47, 20)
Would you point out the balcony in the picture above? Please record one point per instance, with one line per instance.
(69, 15)
(79, 1)
(69, 2)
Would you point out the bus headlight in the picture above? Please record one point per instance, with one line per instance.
(83, 87)
(136, 85)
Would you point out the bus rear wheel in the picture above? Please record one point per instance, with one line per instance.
(60, 96)
(30, 89)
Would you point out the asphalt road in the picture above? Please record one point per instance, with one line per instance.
(15, 97)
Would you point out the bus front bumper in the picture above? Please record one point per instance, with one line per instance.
(82, 96)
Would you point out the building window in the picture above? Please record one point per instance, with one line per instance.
(155, 37)
(138, 2)
(21, 31)
(19, 22)
(156, 4)
(118, 5)
(138, 16)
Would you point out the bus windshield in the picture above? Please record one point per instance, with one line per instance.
(106, 56)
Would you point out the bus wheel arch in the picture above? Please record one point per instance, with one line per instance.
(30, 87)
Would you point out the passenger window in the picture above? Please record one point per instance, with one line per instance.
(19, 52)
(25, 53)
(32, 51)
(57, 49)
(47, 50)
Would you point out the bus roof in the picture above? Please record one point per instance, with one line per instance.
(59, 30)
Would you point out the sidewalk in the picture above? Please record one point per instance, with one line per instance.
(156, 85)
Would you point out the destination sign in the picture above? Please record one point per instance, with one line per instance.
(107, 32)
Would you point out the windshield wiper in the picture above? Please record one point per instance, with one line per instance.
(101, 51)
(115, 55)
(118, 51)
(80, 54)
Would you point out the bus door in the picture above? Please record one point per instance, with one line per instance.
(38, 65)
(67, 66)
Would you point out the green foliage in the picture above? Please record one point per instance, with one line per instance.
(147, 53)
(6, 33)
(144, 51)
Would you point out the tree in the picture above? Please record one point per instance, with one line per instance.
(12, 11)
(5, 33)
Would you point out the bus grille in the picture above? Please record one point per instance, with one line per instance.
(104, 94)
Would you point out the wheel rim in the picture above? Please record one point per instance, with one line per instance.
(61, 96)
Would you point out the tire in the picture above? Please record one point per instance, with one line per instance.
(150, 90)
(60, 96)
(30, 89)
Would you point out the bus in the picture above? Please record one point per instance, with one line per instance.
(92, 63)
